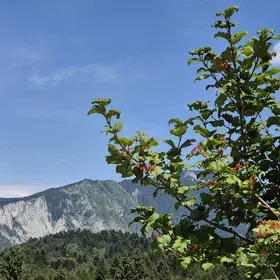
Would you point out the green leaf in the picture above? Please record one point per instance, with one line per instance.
(226, 259)
(206, 198)
(243, 259)
(209, 86)
(230, 11)
(224, 35)
(238, 36)
(177, 205)
(220, 101)
(187, 143)
(273, 71)
(273, 121)
(248, 50)
(186, 261)
(215, 166)
(101, 101)
(117, 127)
(176, 121)
(169, 142)
(201, 70)
(164, 240)
(192, 60)
(201, 130)
(179, 132)
(207, 266)
(202, 77)
(143, 137)
(217, 123)
(190, 202)
(113, 112)
(274, 105)
(126, 141)
(182, 190)
(96, 110)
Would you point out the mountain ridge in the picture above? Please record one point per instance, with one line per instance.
(87, 204)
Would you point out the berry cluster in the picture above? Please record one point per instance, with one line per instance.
(196, 148)
(251, 181)
(193, 247)
(211, 182)
(143, 167)
(263, 252)
(224, 64)
(218, 151)
(268, 226)
(225, 144)
(238, 165)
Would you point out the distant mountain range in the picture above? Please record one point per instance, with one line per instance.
(94, 205)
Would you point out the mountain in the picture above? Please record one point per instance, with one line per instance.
(93, 205)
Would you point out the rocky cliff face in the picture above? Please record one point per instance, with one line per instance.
(93, 205)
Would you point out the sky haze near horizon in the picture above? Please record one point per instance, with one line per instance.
(56, 56)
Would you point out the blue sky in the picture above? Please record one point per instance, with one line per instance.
(56, 56)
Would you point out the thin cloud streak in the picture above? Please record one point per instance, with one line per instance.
(99, 73)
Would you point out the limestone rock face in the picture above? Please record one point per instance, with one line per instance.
(93, 205)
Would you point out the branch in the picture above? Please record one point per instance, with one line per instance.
(267, 206)
(229, 230)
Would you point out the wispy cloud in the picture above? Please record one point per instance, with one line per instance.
(99, 73)
(276, 59)
(22, 57)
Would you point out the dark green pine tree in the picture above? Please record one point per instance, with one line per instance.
(11, 266)
(101, 271)
(41, 257)
(122, 267)
(61, 274)
(140, 269)
(114, 268)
